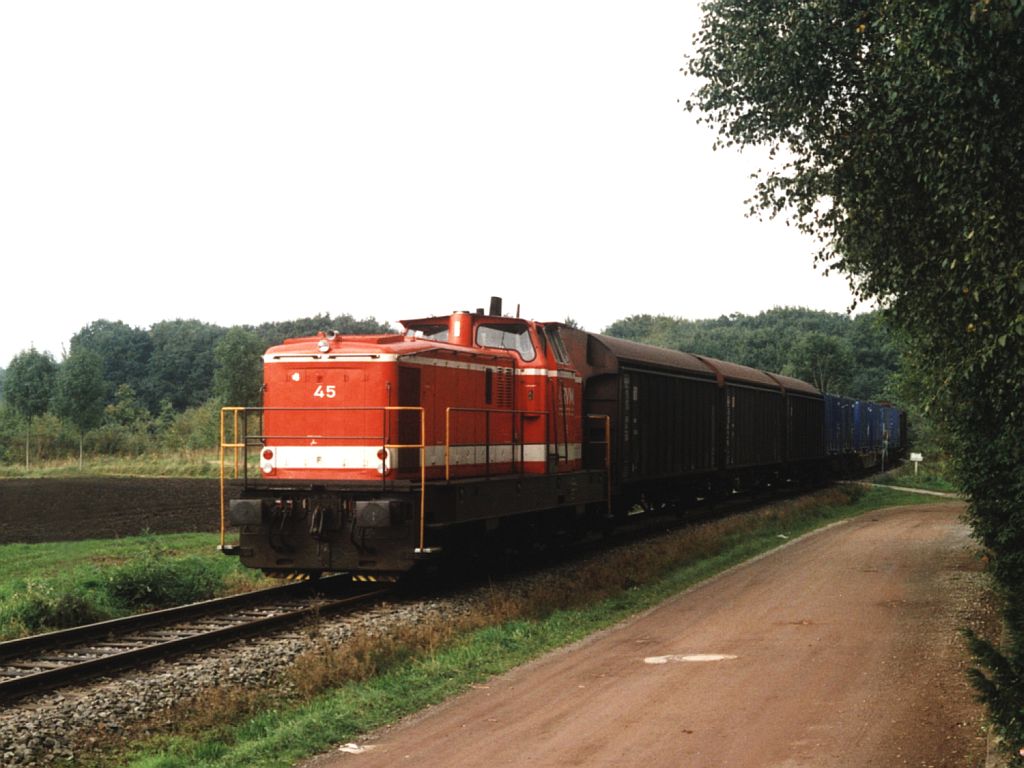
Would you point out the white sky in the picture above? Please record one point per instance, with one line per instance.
(238, 162)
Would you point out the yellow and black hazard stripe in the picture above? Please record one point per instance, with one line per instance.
(376, 578)
(287, 575)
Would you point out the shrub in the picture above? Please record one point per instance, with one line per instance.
(160, 582)
(44, 606)
(195, 428)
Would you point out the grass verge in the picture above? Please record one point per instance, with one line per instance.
(177, 463)
(338, 694)
(931, 475)
(60, 584)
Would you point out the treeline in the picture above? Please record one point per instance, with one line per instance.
(855, 356)
(121, 389)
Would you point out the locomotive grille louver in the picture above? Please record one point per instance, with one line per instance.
(503, 387)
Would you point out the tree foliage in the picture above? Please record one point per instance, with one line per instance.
(181, 365)
(898, 133)
(123, 350)
(79, 393)
(237, 378)
(824, 361)
(862, 356)
(28, 386)
(80, 389)
(275, 332)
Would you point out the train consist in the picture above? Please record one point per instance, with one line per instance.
(374, 453)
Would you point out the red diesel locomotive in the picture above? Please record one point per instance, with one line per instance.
(372, 453)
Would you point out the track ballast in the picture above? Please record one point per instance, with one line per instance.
(47, 662)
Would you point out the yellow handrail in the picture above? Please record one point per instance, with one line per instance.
(235, 410)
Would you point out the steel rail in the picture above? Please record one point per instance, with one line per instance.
(55, 659)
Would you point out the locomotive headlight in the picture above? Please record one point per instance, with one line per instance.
(323, 345)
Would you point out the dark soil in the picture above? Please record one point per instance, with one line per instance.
(65, 509)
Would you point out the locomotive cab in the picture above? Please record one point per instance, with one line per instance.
(530, 391)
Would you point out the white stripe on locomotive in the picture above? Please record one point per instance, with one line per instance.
(365, 457)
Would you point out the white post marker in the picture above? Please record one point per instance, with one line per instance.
(917, 458)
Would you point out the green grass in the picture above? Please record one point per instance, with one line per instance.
(558, 612)
(178, 463)
(182, 463)
(931, 475)
(56, 584)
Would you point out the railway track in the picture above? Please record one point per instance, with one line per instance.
(47, 662)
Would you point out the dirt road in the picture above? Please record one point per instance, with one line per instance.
(841, 649)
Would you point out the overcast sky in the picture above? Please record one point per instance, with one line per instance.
(238, 162)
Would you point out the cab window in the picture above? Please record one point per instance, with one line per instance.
(561, 353)
(429, 332)
(513, 336)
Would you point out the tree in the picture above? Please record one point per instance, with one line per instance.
(126, 410)
(275, 332)
(28, 387)
(125, 352)
(182, 363)
(824, 361)
(897, 129)
(876, 357)
(238, 377)
(81, 393)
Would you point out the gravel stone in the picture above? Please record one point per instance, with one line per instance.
(51, 728)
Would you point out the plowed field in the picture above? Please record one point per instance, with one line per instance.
(86, 508)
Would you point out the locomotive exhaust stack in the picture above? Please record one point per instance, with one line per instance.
(460, 329)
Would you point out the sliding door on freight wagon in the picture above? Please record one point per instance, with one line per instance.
(805, 438)
(669, 425)
(754, 430)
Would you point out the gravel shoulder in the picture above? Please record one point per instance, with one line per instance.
(840, 649)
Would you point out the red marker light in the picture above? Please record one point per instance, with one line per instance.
(268, 454)
(382, 454)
